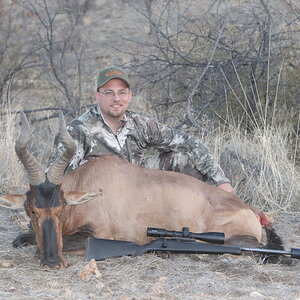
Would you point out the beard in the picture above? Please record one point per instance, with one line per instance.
(116, 113)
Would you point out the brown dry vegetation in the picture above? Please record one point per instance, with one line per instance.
(258, 150)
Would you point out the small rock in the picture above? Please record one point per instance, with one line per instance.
(257, 295)
(6, 264)
(14, 218)
(68, 293)
(100, 286)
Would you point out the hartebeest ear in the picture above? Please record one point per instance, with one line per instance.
(75, 198)
(13, 201)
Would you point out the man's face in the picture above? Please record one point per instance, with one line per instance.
(113, 99)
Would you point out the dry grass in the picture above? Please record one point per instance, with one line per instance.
(261, 168)
(11, 170)
(12, 176)
(260, 153)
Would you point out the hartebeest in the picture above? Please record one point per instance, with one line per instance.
(114, 199)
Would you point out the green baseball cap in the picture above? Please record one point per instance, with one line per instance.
(110, 73)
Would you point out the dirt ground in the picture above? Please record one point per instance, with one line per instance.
(148, 277)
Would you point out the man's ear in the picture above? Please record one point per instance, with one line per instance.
(13, 201)
(75, 197)
(97, 96)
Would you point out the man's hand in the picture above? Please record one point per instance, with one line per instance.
(226, 187)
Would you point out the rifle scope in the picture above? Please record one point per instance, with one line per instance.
(210, 237)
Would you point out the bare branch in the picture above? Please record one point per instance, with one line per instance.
(195, 85)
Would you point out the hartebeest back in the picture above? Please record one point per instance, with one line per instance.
(114, 199)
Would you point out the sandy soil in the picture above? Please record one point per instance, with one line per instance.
(150, 276)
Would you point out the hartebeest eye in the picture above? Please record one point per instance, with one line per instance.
(34, 213)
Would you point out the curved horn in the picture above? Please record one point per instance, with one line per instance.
(56, 171)
(33, 168)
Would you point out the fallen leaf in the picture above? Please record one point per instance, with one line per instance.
(90, 270)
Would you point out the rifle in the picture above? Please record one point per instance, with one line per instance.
(173, 242)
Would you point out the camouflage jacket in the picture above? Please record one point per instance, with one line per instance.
(132, 140)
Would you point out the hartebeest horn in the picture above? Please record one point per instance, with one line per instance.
(33, 168)
(56, 171)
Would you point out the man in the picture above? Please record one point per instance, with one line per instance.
(110, 128)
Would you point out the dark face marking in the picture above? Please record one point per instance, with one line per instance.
(50, 249)
(46, 195)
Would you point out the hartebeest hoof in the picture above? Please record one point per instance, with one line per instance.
(54, 264)
(54, 267)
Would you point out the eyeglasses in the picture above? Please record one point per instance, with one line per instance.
(111, 93)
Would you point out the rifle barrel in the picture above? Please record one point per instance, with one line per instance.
(294, 253)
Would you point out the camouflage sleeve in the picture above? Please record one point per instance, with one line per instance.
(200, 156)
(81, 136)
(165, 138)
